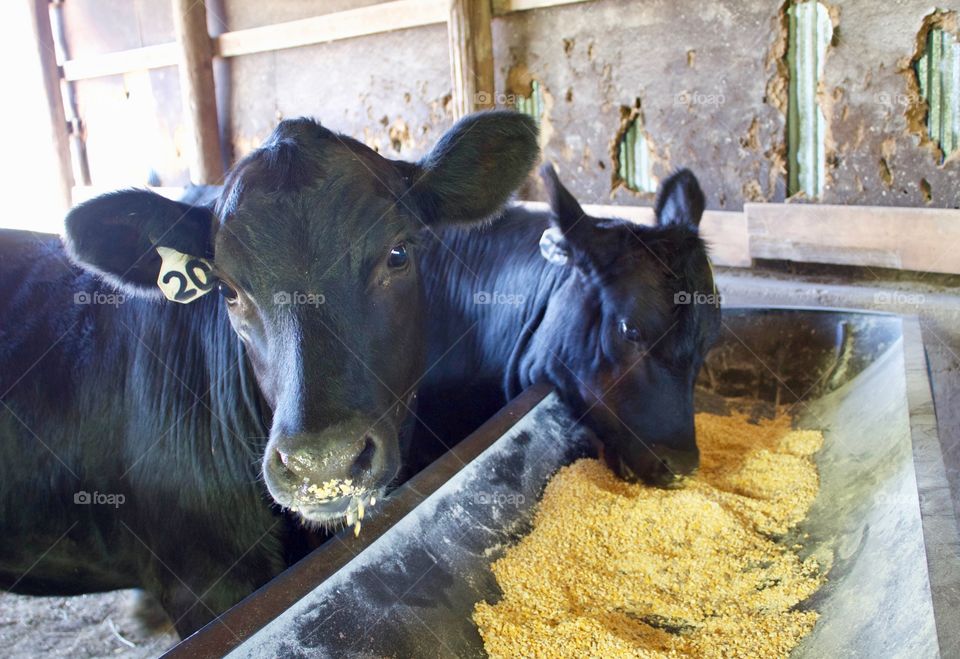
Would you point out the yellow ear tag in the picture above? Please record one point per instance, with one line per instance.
(184, 278)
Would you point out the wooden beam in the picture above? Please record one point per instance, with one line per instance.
(501, 7)
(374, 19)
(59, 132)
(919, 239)
(121, 61)
(198, 91)
(384, 17)
(471, 56)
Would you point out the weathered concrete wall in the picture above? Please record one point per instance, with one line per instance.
(391, 91)
(866, 78)
(712, 99)
(708, 79)
(700, 72)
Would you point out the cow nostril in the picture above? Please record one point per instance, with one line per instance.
(365, 460)
(290, 463)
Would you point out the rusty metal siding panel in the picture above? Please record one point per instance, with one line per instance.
(635, 161)
(938, 72)
(810, 34)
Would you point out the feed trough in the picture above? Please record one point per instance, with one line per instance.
(882, 523)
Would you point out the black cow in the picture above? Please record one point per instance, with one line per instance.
(616, 315)
(134, 430)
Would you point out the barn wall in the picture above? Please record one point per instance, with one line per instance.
(379, 89)
(133, 123)
(704, 77)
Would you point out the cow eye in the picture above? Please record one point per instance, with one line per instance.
(227, 292)
(398, 256)
(630, 332)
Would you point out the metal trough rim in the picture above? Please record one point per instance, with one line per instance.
(250, 615)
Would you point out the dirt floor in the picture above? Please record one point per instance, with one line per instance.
(102, 625)
(106, 625)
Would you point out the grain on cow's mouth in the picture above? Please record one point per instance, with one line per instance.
(332, 501)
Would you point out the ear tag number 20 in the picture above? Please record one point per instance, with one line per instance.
(183, 278)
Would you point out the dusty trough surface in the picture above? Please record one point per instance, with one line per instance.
(79, 627)
(935, 300)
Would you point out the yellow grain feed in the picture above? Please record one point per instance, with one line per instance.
(613, 569)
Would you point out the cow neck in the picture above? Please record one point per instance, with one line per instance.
(523, 369)
(208, 362)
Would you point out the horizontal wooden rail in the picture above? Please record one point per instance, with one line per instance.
(501, 7)
(363, 21)
(123, 61)
(384, 17)
(919, 239)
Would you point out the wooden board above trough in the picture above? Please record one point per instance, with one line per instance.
(920, 239)
(724, 231)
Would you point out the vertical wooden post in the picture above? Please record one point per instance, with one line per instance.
(59, 135)
(198, 90)
(471, 55)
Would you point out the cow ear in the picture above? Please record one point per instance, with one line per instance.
(474, 168)
(680, 200)
(566, 209)
(126, 237)
(572, 231)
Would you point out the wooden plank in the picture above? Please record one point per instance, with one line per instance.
(471, 56)
(59, 133)
(198, 91)
(374, 19)
(384, 17)
(501, 7)
(124, 61)
(919, 239)
(727, 238)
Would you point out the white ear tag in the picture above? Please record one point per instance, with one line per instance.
(183, 278)
(553, 246)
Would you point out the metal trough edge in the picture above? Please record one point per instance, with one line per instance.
(941, 536)
(250, 615)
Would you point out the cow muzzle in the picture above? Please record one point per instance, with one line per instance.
(657, 465)
(335, 474)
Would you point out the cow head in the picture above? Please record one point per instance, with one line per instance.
(313, 246)
(627, 333)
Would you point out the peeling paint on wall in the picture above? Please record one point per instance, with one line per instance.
(633, 152)
(917, 107)
(811, 29)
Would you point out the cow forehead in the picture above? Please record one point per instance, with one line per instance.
(308, 238)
